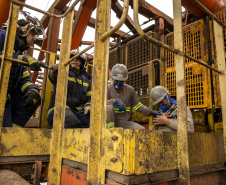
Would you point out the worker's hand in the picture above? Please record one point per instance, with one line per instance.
(87, 110)
(156, 113)
(54, 68)
(121, 105)
(160, 120)
(33, 63)
(32, 98)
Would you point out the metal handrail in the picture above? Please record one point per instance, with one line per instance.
(154, 41)
(119, 24)
(44, 51)
(209, 13)
(16, 60)
(47, 13)
(77, 55)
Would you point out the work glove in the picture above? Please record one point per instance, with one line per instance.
(32, 98)
(156, 113)
(121, 105)
(54, 68)
(87, 110)
(32, 62)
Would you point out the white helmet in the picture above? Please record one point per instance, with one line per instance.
(119, 72)
(158, 93)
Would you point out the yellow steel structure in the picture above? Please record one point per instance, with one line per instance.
(96, 166)
(218, 35)
(127, 152)
(7, 52)
(48, 93)
(60, 103)
(182, 132)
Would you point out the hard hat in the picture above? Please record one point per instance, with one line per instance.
(119, 72)
(82, 57)
(27, 22)
(158, 93)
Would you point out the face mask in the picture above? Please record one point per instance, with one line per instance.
(118, 85)
(164, 108)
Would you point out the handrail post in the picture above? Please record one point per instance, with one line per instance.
(218, 36)
(60, 104)
(98, 117)
(6, 64)
(182, 133)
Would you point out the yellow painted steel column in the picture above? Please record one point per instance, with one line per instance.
(48, 93)
(151, 83)
(98, 117)
(182, 134)
(218, 35)
(60, 103)
(6, 64)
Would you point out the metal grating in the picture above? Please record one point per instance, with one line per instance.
(197, 86)
(112, 58)
(138, 52)
(193, 43)
(138, 79)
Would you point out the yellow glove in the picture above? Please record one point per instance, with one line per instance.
(87, 110)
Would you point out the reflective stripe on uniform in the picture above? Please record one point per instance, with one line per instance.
(137, 106)
(31, 60)
(111, 125)
(16, 126)
(127, 110)
(72, 79)
(87, 104)
(25, 86)
(88, 93)
(25, 74)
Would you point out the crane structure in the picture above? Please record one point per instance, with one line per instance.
(185, 54)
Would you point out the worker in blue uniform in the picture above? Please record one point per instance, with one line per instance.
(22, 95)
(78, 104)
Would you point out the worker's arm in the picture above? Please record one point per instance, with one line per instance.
(53, 72)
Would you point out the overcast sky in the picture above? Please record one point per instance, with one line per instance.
(163, 5)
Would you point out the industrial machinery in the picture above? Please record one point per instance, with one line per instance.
(186, 55)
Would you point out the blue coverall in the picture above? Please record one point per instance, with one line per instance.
(78, 97)
(19, 83)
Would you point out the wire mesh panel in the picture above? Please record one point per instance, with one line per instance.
(112, 58)
(138, 52)
(138, 79)
(194, 43)
(197, 85)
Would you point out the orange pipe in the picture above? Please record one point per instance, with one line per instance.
(213, 5)
(4, 10)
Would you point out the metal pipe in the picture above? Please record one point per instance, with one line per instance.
(154, 41)
(209, 13)
(47, 13)
(76, 56)
(44, 51)
(18, 61)
(121, 21)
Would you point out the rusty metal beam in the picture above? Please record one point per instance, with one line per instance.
(117, 8)
(81, 20)
(150, 11)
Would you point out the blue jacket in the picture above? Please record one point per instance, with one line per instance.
(19, 75)
(78, 92)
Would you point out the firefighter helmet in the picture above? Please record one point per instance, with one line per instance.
(119, 72)
(82, 57)
(158, 93)
(27, 22)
